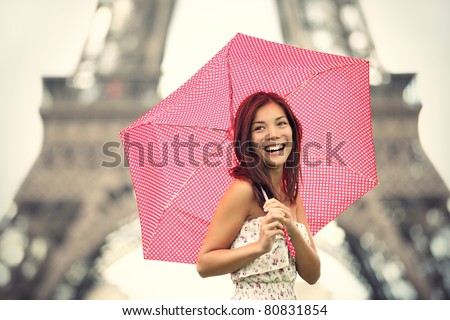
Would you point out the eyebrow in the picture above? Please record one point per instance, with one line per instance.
(255, 122)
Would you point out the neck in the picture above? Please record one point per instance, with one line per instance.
(276, 176)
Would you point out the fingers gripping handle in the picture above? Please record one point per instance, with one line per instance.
(286, 236)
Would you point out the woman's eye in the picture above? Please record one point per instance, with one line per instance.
(258, 128)
(282, 123)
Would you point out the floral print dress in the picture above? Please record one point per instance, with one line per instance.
(272, 275)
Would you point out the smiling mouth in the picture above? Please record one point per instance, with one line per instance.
(275, 148)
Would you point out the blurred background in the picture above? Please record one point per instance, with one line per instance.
(75, 73)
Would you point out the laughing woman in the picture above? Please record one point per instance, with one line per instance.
(259, 232)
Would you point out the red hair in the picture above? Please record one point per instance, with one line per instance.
(251, 166)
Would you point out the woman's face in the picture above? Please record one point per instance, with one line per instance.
(271, 134)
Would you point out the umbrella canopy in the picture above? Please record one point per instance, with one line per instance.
(180, 151)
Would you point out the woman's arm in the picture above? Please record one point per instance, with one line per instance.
(215, 256)
(307, 259)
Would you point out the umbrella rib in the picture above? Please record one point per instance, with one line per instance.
(360, 173)
(230, 88)
(181, 187)
(351, 169)
(304, 83)
(187, 126)
(187, 180)
(315, 75)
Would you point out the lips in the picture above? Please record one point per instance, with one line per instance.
(274, 148)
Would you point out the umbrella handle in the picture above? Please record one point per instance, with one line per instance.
(264, 194)
(286, 236)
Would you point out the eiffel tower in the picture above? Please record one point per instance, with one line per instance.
(74, 197)
(392, 233)
(75, 205)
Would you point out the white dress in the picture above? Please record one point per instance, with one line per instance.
(270, 276)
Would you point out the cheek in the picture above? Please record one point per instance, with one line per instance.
(288, 133)
(254, 141)
(289, 138)
(255, 137)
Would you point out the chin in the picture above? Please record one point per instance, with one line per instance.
(274, 164)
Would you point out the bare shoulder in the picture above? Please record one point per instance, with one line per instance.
(240, 189)
(231, 212)
(237, 199)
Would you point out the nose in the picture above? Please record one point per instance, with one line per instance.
(272, 132)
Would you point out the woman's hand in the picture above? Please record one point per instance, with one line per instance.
(271, 226)
(306, 257)
(274, 206)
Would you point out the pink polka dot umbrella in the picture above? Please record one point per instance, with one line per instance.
(180, 151)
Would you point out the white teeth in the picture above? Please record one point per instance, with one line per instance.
(274, 148)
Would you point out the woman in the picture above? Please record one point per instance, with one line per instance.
(249, 235)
